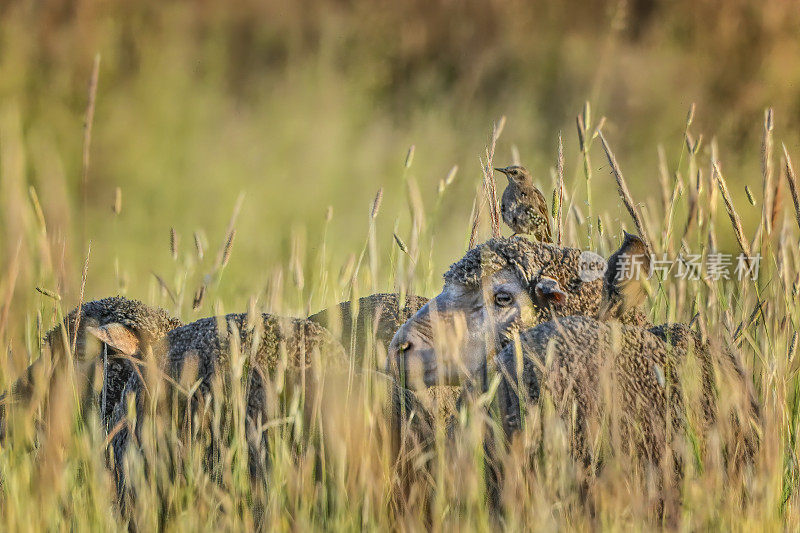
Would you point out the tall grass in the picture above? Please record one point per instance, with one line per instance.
(330, 462)
(264, 132)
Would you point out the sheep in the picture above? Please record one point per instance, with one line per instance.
(204, 349)
(117, 327)
(632, 381)
(497, 288)
(518, 282)
(508, 286)
(575, 358)
(568, 357)
(500, 287)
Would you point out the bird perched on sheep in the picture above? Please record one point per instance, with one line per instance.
(108, 331)
(523, 206)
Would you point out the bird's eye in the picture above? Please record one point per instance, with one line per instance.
(503, 299)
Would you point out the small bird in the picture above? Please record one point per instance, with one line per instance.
(625, 279)
(523, 206)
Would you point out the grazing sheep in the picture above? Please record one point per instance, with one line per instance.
(498, 287)
(632, 382)
(571, 356)
(203, 351)
(199, 355)
(593, 322)
(117, 327)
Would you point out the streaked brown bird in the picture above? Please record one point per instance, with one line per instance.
(523, 206)
(625, 279)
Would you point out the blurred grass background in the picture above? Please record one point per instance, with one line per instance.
(306, 108)
(308, 104)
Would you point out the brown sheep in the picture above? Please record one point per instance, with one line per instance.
(298, 354)
(109, 330)
(497, 288)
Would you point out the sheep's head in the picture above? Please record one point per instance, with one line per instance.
(119, 325)
(498, 287)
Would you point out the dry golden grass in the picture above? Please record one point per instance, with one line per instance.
(331, 463)
(266, 143)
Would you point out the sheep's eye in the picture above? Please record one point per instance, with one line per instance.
(503, 299)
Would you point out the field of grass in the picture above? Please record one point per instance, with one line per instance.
(278, 154)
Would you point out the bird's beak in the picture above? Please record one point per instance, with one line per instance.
(503, 170)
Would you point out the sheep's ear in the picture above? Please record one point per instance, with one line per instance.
(625, 280)
(119, 337)
(548, 293)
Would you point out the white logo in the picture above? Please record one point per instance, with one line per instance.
(591, 266)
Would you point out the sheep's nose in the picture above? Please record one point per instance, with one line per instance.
(410, 357)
